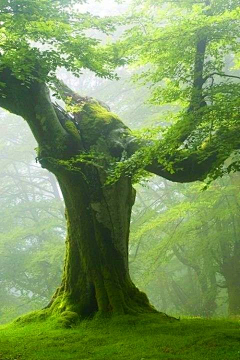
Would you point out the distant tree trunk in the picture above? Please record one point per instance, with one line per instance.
(205, 285)
(231, 272)
(229, 265)
(96, 274)
(234, 299)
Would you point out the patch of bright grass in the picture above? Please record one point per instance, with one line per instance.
(122, 338)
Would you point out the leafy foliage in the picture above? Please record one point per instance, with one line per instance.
(188, 54)
(38, 37)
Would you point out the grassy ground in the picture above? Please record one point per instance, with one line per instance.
(122, 338)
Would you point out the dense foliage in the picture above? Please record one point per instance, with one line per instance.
(37, 37)
(187, 52)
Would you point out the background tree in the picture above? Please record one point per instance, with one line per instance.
(32, 227)
(188, 54)
(184, 238)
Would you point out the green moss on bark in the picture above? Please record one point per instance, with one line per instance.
(97, 123)
(71, 129)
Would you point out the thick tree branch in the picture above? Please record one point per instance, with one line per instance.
(188, 169)
(190, 166)
(65, 92)
(33, 103)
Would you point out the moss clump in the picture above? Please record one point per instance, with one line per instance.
(68, 318)
(32, 317)
(101, 113)
(65, 319)
(97, 122)
(72, 130)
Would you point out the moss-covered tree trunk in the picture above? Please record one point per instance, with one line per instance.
(96, 274)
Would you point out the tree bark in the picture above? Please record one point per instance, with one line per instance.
(96, 274)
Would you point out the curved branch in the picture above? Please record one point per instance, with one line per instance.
(188, 169)
(33, 103)
(191, 166)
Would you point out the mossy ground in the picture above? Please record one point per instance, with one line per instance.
(122, 338)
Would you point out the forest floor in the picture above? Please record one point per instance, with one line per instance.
(122, 338)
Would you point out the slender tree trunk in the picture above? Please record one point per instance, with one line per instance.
(234, 299)
(232, 276)
(96, 274)
(230, 269)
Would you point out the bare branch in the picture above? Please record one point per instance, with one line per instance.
(221, 75)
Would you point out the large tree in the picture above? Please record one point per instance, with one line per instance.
(82, 146)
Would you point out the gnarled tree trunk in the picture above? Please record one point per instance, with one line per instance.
(96, 274)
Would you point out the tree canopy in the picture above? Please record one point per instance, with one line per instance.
(187, 52)
(37, 37)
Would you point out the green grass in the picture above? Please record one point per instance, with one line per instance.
(122, 338)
